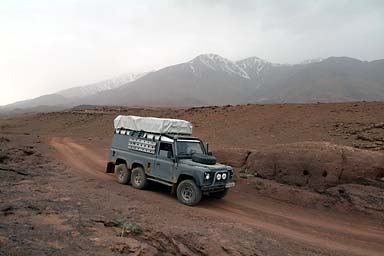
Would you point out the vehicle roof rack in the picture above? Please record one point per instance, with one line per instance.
(153, 125)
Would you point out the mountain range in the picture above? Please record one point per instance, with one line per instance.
(210, 79)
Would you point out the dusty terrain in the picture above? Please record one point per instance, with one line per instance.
(309, 182)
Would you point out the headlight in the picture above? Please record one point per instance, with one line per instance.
(224, 176)
(207, 176)
(218, 176)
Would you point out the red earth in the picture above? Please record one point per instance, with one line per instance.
(55, 197)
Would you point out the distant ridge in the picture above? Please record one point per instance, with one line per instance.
(82, 91)
(210, 79)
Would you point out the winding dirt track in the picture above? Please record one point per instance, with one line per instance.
(327, 231)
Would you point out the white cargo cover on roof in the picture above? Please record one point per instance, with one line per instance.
(153, 124)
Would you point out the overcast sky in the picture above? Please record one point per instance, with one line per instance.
(46, 46)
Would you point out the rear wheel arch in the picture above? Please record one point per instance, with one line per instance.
(120, 161)
(136, 164)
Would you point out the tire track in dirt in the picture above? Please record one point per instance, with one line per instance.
(83, 161)
(292, 222)
(349, 240)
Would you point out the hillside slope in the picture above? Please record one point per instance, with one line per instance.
(210, 79)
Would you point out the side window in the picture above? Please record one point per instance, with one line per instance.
(165, 150)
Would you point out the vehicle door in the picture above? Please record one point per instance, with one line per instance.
(164, 162)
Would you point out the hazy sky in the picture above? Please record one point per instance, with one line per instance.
(46, 46)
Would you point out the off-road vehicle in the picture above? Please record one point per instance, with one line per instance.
(147, 149)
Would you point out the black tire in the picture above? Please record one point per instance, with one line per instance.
(219, 194)
(203, 159)
(138, 178)
(188, 193)
(123, 175)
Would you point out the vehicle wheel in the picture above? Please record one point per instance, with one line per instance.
(122, 173)
(138, 178)
(219, 194)
(188, 193)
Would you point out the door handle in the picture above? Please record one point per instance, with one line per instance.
(157, 163)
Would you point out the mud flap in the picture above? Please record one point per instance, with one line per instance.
(110, 168)
(173, 189)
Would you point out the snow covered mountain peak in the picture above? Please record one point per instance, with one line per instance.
(218, 63)
(209, 57)
(253, 65)
(82, 91)
(251, 62)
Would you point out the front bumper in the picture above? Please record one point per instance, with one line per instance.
(230, 184)
(217, 187)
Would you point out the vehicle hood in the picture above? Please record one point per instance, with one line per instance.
(213, 167)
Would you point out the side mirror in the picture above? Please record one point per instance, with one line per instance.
(210, 154)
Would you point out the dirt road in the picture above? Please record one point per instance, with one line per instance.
(242, 223)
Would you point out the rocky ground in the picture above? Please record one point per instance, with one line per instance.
(309, 182)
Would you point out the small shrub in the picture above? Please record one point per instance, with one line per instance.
(244, 170)
(243, 176)
(129, 228)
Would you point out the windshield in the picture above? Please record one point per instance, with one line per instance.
(186, 148)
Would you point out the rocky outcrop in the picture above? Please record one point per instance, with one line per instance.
(342, 176)
(318, 165)
(364, 198)
(235, 157)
